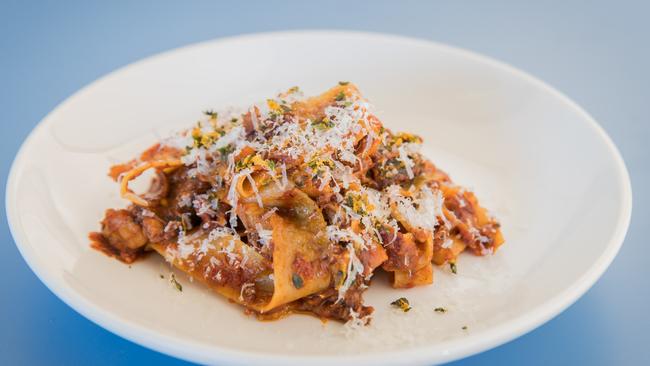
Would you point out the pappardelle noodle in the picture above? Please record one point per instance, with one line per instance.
(291, 206)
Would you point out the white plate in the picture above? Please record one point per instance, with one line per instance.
(539, 162)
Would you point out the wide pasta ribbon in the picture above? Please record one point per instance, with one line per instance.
(292, 268)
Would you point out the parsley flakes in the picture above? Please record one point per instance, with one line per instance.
(402, 303)
(210, 113)
(177, 285)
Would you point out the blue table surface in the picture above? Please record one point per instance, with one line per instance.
(594, 51)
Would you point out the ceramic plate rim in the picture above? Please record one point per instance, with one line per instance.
(456, 349)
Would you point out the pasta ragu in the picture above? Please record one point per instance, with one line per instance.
(292, 206)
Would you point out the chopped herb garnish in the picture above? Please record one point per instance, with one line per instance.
(349, 200)
(274, 106)
(210, 113)
(343, 83)
(323, 124)
(226, 150)
(209, 138)
(201, 138)
(464, 327)
(402, 303)
(404, 138)
(252, 160)
(440, 310)
(318, 165)
(340, 96)
(297, 280)
(453, 268)
(357, 203)
(172, 280)
(285, 108)
(212, 196)
(270, 164)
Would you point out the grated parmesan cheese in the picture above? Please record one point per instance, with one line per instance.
(421, 212)
(233, 196)
(447, 243)
(354, 267)
(408, 163)
(243, 288)
(264, 234)
(355, 323)
(255, 190)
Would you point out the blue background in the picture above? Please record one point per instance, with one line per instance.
(595, 52)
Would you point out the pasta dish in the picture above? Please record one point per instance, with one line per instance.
(293, 205)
